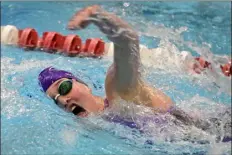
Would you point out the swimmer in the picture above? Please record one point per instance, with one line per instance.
(123, 79)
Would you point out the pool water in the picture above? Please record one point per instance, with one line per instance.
(32, 124)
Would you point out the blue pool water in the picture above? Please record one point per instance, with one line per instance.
(32, 124)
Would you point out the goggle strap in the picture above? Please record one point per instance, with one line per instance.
(56, 97)
(80, 81)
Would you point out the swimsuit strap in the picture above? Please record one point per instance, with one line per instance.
(106, 103)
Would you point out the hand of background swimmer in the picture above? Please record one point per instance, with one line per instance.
(81, 19)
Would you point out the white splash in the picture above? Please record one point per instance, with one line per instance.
(68, 136)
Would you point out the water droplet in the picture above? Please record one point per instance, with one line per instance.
(126, 4)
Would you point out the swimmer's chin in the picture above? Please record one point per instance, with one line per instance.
(83, 114)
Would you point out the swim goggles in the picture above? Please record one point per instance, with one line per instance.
(64, 88)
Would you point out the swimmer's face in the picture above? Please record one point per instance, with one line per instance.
(77, 97)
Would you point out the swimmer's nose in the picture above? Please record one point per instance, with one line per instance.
(65, 101)
(68, 104)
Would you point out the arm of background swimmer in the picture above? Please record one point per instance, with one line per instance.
(126, 48)
(189, 120)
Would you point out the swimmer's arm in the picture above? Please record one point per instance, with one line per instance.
(124, 74)
(126, 44)
(126, 49)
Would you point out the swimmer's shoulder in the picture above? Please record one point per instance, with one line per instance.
(155, 98)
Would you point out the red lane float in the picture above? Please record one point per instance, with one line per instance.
(100, 48)
(72, 45)
(94, 46)
(28, 38)
(52, 41)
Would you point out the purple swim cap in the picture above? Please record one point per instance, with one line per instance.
(50, 75)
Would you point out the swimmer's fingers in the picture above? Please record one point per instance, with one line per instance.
(81, 19)
(76, 25)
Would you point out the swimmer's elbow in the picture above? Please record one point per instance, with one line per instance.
(126, 39)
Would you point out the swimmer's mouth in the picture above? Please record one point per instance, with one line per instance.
(77, 110)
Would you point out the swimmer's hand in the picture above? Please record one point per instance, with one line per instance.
(82, 18)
